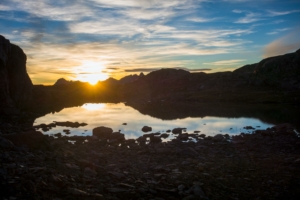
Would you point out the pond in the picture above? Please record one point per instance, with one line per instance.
(130, 121)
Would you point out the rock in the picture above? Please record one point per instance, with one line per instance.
(117, 190)
(57, 134)
(141, 140)
(155, 139)
(218, 138)
(31, 139)
(102, 132)
(248, 127)
(124, 124)
(15, 84)
(70, 124)
(178, 130)
(88, 172)
(146, 129)
(97, 196)
(117, 136)
(57, 181)
(183, 137)
(164, 135)
(197, 191)
(6, 144)
(197, 131)
(284, 128)
(77, 192)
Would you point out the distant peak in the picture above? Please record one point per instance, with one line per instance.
(61, 81)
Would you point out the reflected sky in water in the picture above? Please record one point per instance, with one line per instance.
(114, 115)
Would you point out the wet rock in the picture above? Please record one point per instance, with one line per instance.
(77, 192)
(164, 135)
(102, 132)
(6, 144)
(57, 181)
(183, 137)
(141, 140)
(88, 172)
(146, 129)
(70, 124)
(197, 191)
(155, 139)
(178, 130)
(218, 138)
(249, 128)
(117, 136)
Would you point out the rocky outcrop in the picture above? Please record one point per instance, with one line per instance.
(15, 84)
(280, 71)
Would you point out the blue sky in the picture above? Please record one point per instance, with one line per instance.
(92, 39)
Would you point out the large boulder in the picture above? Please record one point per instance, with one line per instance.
(178, 130)
(15, 84)
(102, 132)
(146, 129)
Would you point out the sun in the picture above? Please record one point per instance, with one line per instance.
(91, 72)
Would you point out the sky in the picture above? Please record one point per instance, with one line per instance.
(91, 40)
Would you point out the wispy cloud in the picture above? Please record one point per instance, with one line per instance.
(237, 11)
(225, 62)
(279, 13)
(201, 19)
(250, 18)
(276, 31)
(155, 69)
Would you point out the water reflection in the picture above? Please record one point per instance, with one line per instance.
(114, 115)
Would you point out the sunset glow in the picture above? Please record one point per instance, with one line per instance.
(91, 72)
(94, 40)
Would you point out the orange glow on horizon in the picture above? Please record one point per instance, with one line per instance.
(91, 72)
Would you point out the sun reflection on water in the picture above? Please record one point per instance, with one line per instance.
(94, 106)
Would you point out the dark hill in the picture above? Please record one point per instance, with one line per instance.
(273, 80)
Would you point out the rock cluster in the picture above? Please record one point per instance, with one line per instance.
(261, 165)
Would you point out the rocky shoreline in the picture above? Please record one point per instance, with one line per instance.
(261, 165)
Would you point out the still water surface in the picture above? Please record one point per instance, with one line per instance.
(114, 115)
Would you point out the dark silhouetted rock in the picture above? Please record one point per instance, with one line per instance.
(178, 130)
(218, 138)
(164, 135)
(146, 129)
(15, 84)
(117, 136)
(102, 132)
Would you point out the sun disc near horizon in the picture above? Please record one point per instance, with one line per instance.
(93, 78)
(89, 72)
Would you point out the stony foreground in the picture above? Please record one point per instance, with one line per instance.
(262, 165)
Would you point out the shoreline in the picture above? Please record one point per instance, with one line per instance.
(261, 165)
